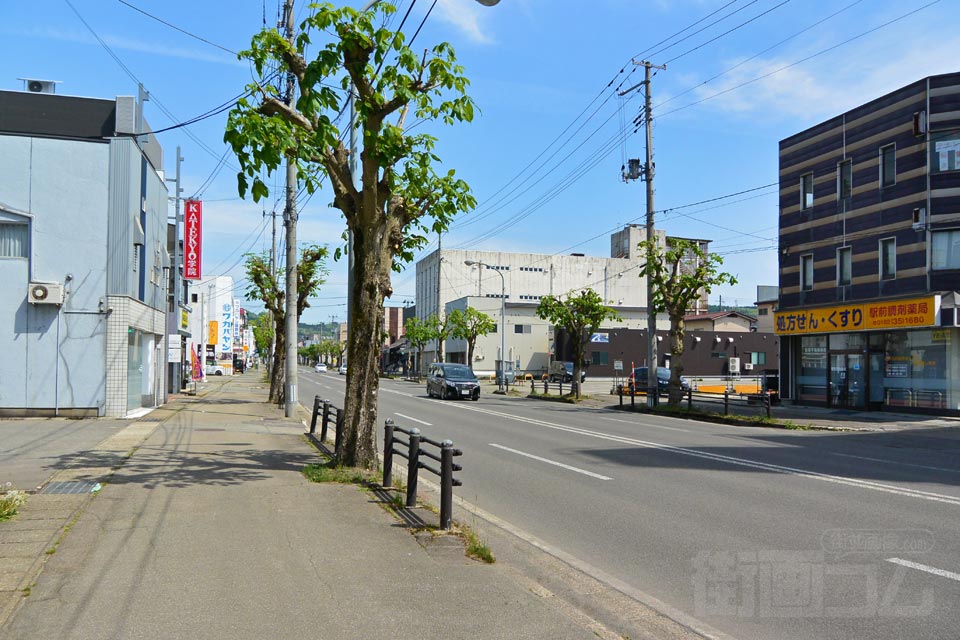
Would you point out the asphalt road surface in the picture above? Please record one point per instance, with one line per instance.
(756, 532)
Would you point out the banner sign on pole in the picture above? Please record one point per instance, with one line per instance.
(192, 239)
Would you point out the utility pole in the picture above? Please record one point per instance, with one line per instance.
(290, 222)
(439, 268)
(648, 173)
(177, 377)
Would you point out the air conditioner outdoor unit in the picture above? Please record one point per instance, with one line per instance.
(734, 364)
(39, 86)
(45, 293)
(748, 366)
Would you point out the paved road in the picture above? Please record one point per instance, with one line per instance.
(759, 533)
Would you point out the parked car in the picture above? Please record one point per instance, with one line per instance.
(343, 369)
(638, 379)
(320, 367)
(454, 381)
(563, 372)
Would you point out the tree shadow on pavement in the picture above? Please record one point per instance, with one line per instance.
(217, 464)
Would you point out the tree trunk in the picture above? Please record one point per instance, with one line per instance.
(278, 359)
(372, 276)
(470, 345)
(675, 389)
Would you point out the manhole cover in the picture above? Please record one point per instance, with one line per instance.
(71, 487)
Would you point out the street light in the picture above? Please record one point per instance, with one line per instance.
(501, 379)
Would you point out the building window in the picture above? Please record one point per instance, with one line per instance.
(806, 272)
(521, 328)
(758, 357)
(946, 249)
(844, 265)
(888, 258)
(599, 357)
(762, 311)
(14, 240)
(888, 165)
(845, 179)
(806, 191)
(194, 298)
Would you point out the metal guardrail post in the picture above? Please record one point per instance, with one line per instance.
(766, 397)
(726, 401)
(338, 434)
(413, 464)
(446, 483)
(620, 393)
(545, 386)
(323, 422)
(388, 453)
(313, 418)
(532, 387)
(633, 398)
(689, 399)
(561, 386)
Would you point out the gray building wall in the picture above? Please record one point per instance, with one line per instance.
(60, 186)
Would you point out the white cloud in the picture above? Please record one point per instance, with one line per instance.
(466, 16)
(832, 83)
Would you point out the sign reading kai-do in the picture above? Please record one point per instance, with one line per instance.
(192, 239)
(868, 316)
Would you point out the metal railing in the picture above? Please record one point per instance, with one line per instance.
(411, 449)
(761, 398)
(326, 412)
(547, 385)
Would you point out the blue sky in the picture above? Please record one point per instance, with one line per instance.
(543, 155)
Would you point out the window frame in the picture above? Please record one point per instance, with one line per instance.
(934, 236)
(844, 254)
(884, 182)
(27, 239)
(847, 164)
(889, 273)
(804, 193)
(806, 284)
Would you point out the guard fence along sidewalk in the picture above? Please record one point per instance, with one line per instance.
(326, 412)
(412, 449)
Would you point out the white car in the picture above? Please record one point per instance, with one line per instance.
(343, 369)
(320, 367)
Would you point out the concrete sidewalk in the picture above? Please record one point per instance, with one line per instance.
(209, 530)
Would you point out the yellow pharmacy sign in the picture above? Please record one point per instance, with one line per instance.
(868, 316)
(213, 332)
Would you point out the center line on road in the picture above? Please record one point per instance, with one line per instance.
(903, 464)
(927, 568)
(427, 424)
(553, 462)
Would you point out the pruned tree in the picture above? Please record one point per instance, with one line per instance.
(468, 324)
(418, 334)
(579, 315)
(401, 196)
(264, 286)
(681, 272)
(262, 335)
(440, 330)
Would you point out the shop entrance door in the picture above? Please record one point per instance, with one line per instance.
(847, 381)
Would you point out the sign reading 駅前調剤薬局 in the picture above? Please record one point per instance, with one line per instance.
(867, 316)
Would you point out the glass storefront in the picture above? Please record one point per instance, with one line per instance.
(917, 369)
(141, 370)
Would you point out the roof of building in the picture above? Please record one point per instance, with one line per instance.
(716, 315)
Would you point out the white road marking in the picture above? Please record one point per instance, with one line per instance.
(904, 464)
(928, 569)
(643, 424)
(399, 393)
(553, 462)
(743, 462)
(414, 419)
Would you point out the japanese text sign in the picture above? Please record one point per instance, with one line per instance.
(192, 239)
(870, 316)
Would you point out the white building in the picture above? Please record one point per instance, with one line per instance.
(445, 282)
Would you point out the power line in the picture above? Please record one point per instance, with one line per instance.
(175, 27)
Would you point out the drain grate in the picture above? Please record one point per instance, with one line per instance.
(71, 487)
(159, 419)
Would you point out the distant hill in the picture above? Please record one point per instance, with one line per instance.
(749, 311)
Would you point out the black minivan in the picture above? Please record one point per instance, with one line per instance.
(452, 381)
